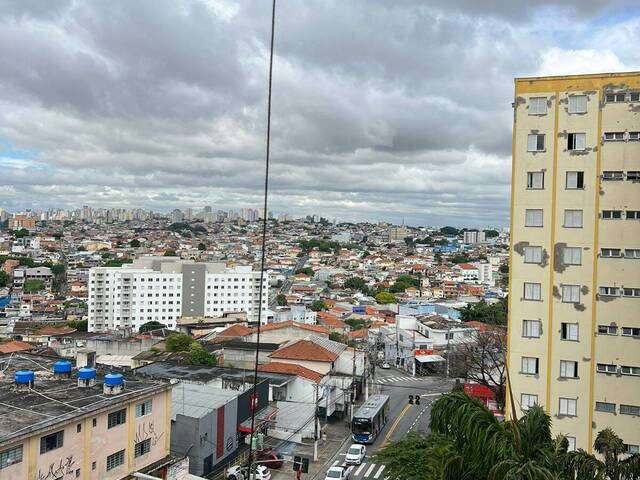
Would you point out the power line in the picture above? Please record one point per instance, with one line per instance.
(265, 214)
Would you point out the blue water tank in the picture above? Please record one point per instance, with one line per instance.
(25, 376)
(87, 373)
(62, 366)
(113, 379)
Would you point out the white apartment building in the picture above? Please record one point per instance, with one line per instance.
(473, 236)
(164, 289)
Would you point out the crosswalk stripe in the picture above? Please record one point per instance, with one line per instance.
(362, 465)
(370, 469)
(379, 471)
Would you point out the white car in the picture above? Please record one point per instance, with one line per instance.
(241, 473)
(356, 454)
(341, 472)
(385, 365)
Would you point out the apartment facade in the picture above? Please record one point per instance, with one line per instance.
(574, 329)
(164, 289)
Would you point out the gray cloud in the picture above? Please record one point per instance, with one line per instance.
(382, 110)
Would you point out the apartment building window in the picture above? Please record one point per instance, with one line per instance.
(117, 418)
(530, 365)
(577, 104)
(631, 292)
(606, 368)
(573, 219)
(611, 214)
(115, 460)
(569, 331)
(628, 370)
(576, 141)
(143, 408)
(634, 136)
(538, 106)
(51, 441)
(535, 180)
(633, 215)
(568, 369)
(532, 254)
(533, 217)
(634, 97)
(571, 293)
(633, 175)
(572, 444)
(610, 252)
(613, 175)
(609, 291)
(614, 136)
(630, 410)
(605, 407)
(10, 456)
(531, 328)
(632, 253)
(528, 400)
(614, 97)
(575, 181)
(568, 407)
(532, 291)
(142, 448)
(535, 142)
(607, 330)
(572, 256)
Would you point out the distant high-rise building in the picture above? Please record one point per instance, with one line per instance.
(473, 236)
(574, 288)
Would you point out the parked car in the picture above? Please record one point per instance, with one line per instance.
(242, 473)
(385, 365)
(339, 472)
(275, 459)
(355, 454)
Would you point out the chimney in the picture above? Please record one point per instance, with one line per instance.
(113, 384)
(62, 369)
(24, 380)
(86, 377)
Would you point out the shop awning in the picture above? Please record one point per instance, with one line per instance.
(429, 358)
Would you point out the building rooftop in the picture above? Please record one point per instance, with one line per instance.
(55, 400)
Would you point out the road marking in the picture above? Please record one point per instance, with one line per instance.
(362, 465)
(370, 469)
(395, 424)
(379, 471)
(335, 463)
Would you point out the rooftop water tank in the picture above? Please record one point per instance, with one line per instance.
(62, 367)
(86, 377)
(24, 376)
(113, 379)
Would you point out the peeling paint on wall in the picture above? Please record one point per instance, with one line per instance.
(579, 307)
(558, 257)
(605, 298)
(584, 290)
(556, 292)
(545, 258)
(519, 247)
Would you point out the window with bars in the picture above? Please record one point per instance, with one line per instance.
(630, 410)
(51, 441)
(531, 328)
(115, 460)
(10, 456)
(117, 418)
(605, 407)
(532, 254)
(143, 447)
(577, 104)
(143, 408)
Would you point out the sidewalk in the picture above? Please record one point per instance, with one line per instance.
(337, 434)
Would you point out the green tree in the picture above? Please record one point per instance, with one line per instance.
(450, 231)
(356, 283)
(403, 282)
(4, 279)
(170, 253)
(117, 262)
(491, 233)
(460, 258)
(57, 269)
(336, 337)
(492, 313)
(384, 298)
(149, 326)
(318, 305)
(468, 442)
(178, 342)
(306, 270)
(135, 243)
(79, 325)
(23, 232)
(199, 356)
(33, 286)
(281, 300)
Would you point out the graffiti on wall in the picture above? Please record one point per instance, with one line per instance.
(147, 430)
(59, 469)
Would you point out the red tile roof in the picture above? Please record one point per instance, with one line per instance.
(331, 320)
(52, 331)
(291, 323)
(14, 346)
(292, 369)
(236, 330)
(305, 350)
(362, 333)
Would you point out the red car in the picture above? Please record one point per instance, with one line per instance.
(270, 458)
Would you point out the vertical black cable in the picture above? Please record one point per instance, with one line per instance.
(265, 215)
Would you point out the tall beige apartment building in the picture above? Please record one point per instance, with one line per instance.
(574, 296)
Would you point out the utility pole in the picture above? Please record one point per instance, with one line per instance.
(353, 384)
(315, 423)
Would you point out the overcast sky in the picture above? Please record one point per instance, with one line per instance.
(382, 109)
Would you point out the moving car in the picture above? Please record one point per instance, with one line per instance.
(385, 365)
(355, 454)
(339, 472)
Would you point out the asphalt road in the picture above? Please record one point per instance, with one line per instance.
(403, 417)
